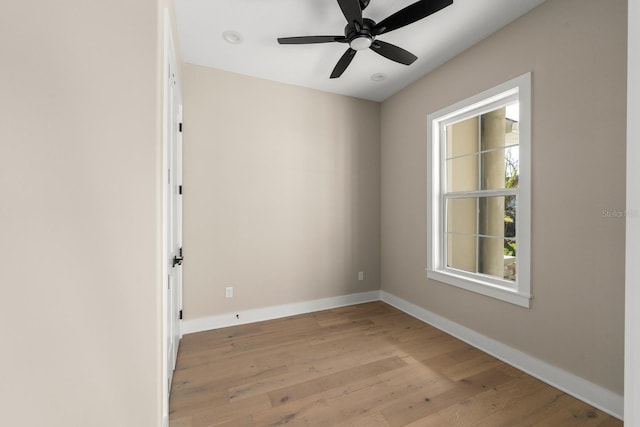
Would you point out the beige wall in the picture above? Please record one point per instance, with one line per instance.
(576, 51)
(282, 194)
(79, 243)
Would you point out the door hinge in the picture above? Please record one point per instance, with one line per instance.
(179, 127)
(180, 314)
(180, 189)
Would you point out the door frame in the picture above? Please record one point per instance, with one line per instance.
(168, 62)
(632, 250)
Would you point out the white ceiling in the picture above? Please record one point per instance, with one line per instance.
(435, 40)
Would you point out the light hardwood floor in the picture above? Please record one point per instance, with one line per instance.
(363, 365)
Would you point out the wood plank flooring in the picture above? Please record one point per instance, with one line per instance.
(365, 365)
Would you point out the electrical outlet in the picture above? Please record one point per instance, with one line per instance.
(361, 275)
(228, 292)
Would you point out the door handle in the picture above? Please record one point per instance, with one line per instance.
(177, 260)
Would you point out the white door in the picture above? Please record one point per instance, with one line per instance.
(172, 222)
(173, 214)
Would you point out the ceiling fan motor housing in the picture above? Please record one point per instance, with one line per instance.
(359, 36)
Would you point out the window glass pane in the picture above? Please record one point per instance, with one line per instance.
(510, 216)
(461, 252)
(499, 128)
(493, 129)
(491, 217)
(511, 167)
(512, 124)
(510, 249)
(462, 215)
(491, 256)
(462, 173)
(513, 111)
(500, 168)
(512, 136)
(462, 138)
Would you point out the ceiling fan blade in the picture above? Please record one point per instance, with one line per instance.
(409, 15)
(343, 63)
(311, 39)
(351, 11)
(393, 52)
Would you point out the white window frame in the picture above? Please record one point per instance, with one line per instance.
(518, 292)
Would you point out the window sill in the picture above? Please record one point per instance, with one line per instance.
(481, 287)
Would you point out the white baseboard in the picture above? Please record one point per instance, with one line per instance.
(275, 312)
(593, 394)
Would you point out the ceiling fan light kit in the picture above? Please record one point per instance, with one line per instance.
(360, 33)
(361, 43)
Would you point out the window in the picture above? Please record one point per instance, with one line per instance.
(479, 192)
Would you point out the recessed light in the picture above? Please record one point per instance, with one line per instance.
(232, 37)
(378, 77)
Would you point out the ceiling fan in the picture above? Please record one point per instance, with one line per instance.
(360, 33)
